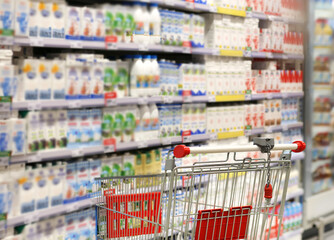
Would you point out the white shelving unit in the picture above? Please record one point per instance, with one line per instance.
(100, 103)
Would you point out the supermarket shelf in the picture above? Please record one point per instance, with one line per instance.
(282, 127)
(263, 16)
(61, 154)
(49, 212)
(98, 103)
(52, 104)
(76, 44)
(272, 55)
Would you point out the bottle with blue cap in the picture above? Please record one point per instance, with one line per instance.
(137, 76)
(155, 24)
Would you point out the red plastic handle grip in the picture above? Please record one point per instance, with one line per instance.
(301, 146)
(181, 151)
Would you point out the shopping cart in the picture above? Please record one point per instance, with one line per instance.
(242, 199)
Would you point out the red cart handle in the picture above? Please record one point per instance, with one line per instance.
(181, 151)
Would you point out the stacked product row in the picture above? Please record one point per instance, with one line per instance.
(230, 77)
(33, 188)
(47, 130)
(135, 23)
(88, 76)
(233, 33)
(76, 225)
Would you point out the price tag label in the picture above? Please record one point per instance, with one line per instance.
(142, 144)
(190, 5)
(213, 136)
(37, 42)
(77, 153)
(111, 46)
(166, 141)
(143, 47)
(30, 218)
(269, 130)
(285, 127)
(269, 55)
(34, 106)
(213, 9)
(247, 53)
(187, 99)
(269, 96)
(72, 207)
(187, 139)
(73, 104)
(142, 101)
(212, 98)
(109, 149)
(35, 158)
(4, 158)
(186, 50)
(111, 102)
(76, 44)
(168, 49)
(248, 97)
(168, 99)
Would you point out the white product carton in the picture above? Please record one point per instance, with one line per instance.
(248, 117)
(30, 79)
(278, 113)
(5, 136)
(202, 117)
(34, 19)
(71, 226)
(72, 23)
(43, 144)
(83, 180)
(56, 175)
(29, 231)
(50, 129)
(41, 185)
(18, 136)
(85, 80)
(85, 133)
(44, 16)
(58, 79)
(97, 80)
(262, 114)
(58, 19)
(61, 128)
(92, 221)
(27, 191)
(73, 82)
(47, 228)
(14, 173)
(99, 25)
(96, 122)
(33, 132)
(87, 23)
(22, 12)
(70, 193)
(194, 118)
(7, 17)
(73, 128)
(6, 80)
(44, 79)
(222, 122)
(59, 227)
(186, 117)
(94, 172)
(83, 224)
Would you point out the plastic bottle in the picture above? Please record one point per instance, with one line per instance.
(155, 81)
(146, 91)
(154, 121)
(146, 17)
(136, 76)
(139, 18)
(155, 24)
(145, 122)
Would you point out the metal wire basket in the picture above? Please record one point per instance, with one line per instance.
(212, 200)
